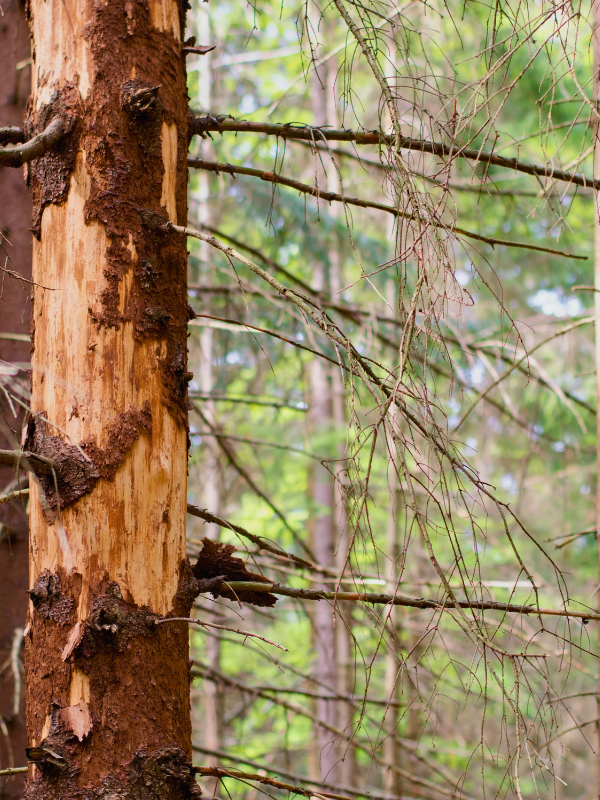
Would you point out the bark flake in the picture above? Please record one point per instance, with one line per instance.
(217, 559)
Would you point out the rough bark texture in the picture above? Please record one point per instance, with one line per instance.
(15, 220)
(108, 690)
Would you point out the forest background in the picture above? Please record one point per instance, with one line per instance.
(366, 701)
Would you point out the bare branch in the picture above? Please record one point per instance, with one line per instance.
(220, 772)
(315, 191)
(31, 462)
(11, 135)
(377, 598)
(7, 498)
(202, 125)
(204, 624)
(13, 771)
(259, 541)
(371, 793)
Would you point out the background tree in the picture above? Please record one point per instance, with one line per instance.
(15, 215)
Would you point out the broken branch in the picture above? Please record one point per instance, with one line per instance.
(35, 147)
(221, 772)
(20, 459)
(261, 543)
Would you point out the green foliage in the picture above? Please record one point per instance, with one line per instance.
(530, 439)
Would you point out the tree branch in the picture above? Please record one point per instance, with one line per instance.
(203, 125)
(7, 498)
(221, 772)
(30, 462)
(245, 634)
(350, 739)
(315, 191)
(261, 543)
(11, 135)
(377, 598)
(371, 793)
(35, 147)
(238, 323)
(229, 453)
(13, 771)
(249, 401)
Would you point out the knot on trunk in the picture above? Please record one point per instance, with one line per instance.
(139, 99)
(48, 599)
(166, 773)
(112, 624)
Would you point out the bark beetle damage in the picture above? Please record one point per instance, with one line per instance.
(123, 130)
(78, 469)
(49, 175)
(125, 739)
(216, 559)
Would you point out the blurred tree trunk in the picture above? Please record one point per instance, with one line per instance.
(392, 754)
(15, 220)
(107, 688)
(321, 420)
(212, 729)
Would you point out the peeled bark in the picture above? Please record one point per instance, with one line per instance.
(15, 216)
(107, 690)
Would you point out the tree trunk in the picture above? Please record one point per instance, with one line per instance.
(212, 728)
(320, 420)
(15, 216)
(107, 688)
(392, 755)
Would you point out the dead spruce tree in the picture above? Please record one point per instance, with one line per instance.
(107, 690)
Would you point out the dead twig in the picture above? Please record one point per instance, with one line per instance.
(191, 621)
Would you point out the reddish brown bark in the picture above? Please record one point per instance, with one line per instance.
(107, 690)
(15, 220)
